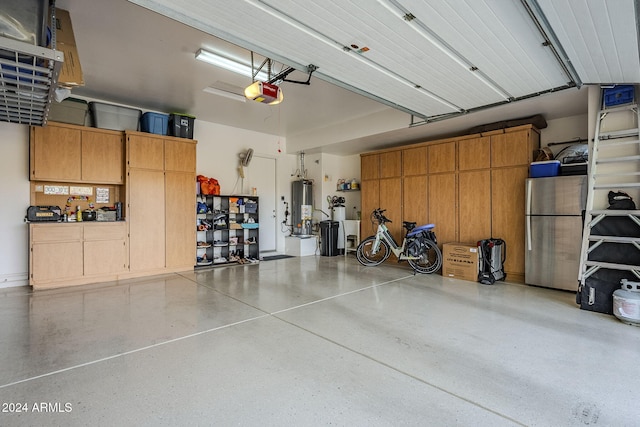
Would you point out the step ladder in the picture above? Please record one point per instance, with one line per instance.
(607, 146)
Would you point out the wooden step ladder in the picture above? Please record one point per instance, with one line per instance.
(621, 150)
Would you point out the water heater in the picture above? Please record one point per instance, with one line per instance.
(301, 206)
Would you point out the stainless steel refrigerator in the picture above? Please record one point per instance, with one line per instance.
(553, 230)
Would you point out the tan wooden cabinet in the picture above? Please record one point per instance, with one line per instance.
(415, 206)
(370, 200)
(443, 197)
(105, 248)
(414, 161)
(474, 205)
(102, 157)
(161, 202)
(56, 254)
(391, 164)
(391, 201)
(442, 157)
(474, 153)
(69, 153)
(507, 215)
(76, 253)
(471, 187)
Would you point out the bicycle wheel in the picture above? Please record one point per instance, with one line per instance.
(430, 259)
(366, 255)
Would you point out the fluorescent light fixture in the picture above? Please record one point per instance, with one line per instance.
(224, 93)
(229, 64)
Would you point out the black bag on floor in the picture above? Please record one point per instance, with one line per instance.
(597, 292)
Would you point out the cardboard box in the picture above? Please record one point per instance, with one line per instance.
(460, 261)
(71, 71)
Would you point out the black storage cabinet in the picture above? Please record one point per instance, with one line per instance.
(329, 238)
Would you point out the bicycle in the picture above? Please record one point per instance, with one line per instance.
(418, 248)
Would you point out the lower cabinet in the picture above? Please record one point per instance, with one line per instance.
(65, 254)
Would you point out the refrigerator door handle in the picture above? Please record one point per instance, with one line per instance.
(528, 232)
(528, 201)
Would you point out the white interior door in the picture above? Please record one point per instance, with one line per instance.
(262, 172)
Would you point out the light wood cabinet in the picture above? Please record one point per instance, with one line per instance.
(507, 216)
(415, 206)
(415, 161)
(180, 224)
(442, 157)
(55, 153)
(474, 153)
(474, 206)
(391, 164)
(146, 218)
(72, 254)
(369, 167)
(69, 153)
(161, 202)
(471, 188)
(102, 157)
(391, 201)
(514, 147)
(443, 198)
(370, 200)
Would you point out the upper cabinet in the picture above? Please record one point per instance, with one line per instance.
(442, 157)
(145, 151)
(370, 166)
(474, 153)
(391, 164)
(180, 155)
(414, 161)
(69, 153)
(514, 147)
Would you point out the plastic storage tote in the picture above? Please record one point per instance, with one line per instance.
(114, 117)
(154, 123)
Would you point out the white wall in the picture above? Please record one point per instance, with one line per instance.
(14, 188)
(564, 129)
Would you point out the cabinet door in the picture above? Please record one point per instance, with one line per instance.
(474, 206)
(370, 193)
(391, 164)
(180, 156)
(507, 195)
(391, 200)
(145, 152)
(442, 157)
(442, 206)
(146, 218)
(55, 153)
(54, 261)
(370, 167)
(102, 157)
(105, 249)
(474, 153)
(511, 149)
(105, 257)
(180, 224)
(414, 161)
(415, 196)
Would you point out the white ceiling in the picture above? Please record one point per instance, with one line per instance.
(134, 56)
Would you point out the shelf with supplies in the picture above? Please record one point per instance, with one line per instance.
(227, 229)
(346, 191)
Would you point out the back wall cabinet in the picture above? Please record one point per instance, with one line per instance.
(471, 187)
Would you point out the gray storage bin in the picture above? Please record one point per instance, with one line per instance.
(71, 110)
(114, 117)
(32, 17)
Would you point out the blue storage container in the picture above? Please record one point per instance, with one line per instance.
(543, 169)
(154, 123)
(618, 95)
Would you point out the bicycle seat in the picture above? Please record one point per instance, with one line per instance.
(409, 225)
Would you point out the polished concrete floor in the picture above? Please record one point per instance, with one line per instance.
(312, 341)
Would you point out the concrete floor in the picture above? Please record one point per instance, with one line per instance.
(313, 341)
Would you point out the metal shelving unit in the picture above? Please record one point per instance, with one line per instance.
(28, 79)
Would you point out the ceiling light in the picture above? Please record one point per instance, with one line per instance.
(264, 92)
(224, 93)
(234, 65)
